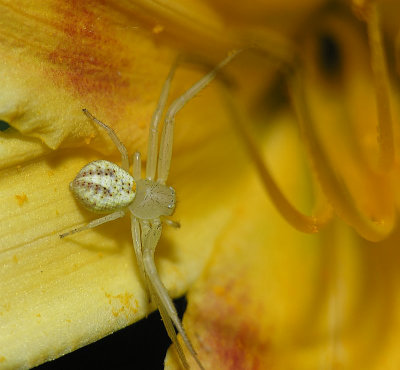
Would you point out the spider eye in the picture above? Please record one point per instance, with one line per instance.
(103, 187)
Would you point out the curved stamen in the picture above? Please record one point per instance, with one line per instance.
(382, 87)
(337, 193)
(300, 221)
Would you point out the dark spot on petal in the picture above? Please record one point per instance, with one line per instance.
(4, 125)
(329, 55)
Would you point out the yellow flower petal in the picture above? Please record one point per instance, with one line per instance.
(58, 295)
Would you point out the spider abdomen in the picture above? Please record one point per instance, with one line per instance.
(103, 187)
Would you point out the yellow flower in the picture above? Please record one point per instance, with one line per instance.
(268, 296)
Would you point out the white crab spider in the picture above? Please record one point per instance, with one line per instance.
(104, 187)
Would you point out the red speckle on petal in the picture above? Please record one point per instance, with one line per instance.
(230, 334)
(88, 60)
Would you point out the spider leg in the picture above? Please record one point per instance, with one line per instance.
(164, 160)
(152, 148)
(172, 223)
(94, 223)
(168, 324)
(114, 138)
(137, 245)
(150, 235)
(137, 166)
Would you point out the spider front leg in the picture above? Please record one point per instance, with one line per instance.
(121, 147)
(164, 159)
(150, 235)
(152, 149)
(137, 246)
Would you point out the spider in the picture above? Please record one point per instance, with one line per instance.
(104, 187)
